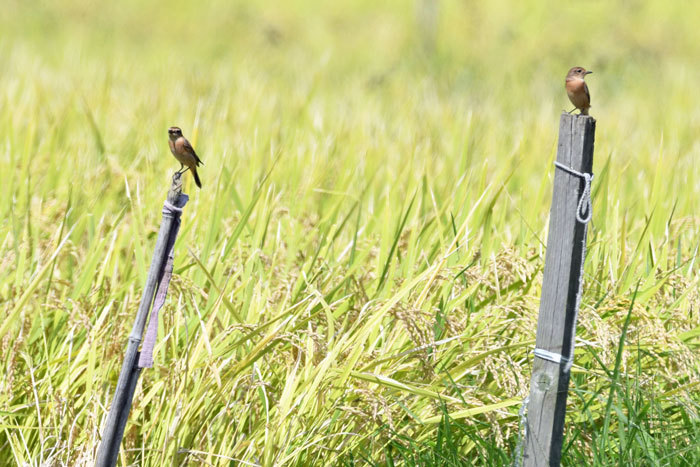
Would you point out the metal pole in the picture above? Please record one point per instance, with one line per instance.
(121, 405)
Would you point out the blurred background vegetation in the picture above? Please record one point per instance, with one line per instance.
(320, 314)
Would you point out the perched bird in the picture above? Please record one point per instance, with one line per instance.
(577, 90)
(184, 153)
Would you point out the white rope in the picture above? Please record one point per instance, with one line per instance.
(584, 211)
(550, 356)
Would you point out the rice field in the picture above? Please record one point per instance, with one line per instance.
(358, 280)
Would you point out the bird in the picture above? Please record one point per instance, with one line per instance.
(184, 153)
(577, 90)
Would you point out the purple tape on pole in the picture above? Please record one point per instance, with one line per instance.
(149, 341)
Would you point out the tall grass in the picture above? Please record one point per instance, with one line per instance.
(358, 280)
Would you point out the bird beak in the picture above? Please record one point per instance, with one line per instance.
(588, 73)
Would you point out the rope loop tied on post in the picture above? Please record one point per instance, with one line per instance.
(550, 356)
(170, 209)
(584, 211)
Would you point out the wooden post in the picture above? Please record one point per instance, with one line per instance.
(561, 286)
(113, 430)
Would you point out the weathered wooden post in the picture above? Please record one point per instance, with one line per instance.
(113, 430)
(561, 291)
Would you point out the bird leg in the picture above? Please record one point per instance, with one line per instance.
(185, 170)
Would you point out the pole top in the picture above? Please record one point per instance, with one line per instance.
(175, 188)
(569, 116)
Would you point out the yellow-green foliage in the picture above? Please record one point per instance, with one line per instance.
(389, 263)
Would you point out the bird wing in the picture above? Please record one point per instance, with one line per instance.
(190, 149)
(588, 94)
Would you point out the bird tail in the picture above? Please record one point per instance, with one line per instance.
(584, 111)
(196, 177)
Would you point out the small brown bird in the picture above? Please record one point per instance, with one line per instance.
(184, 153)
(577, 90)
